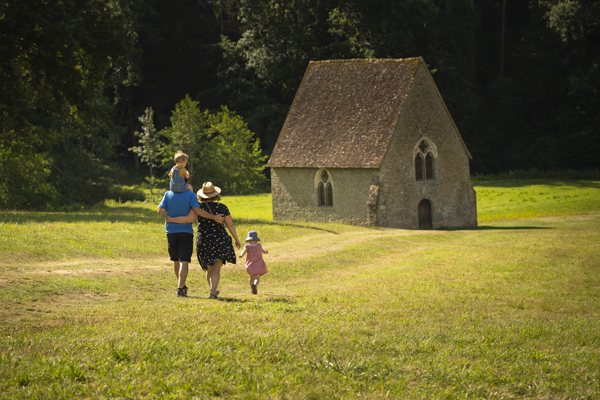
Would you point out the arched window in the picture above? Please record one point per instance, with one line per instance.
(424, 162)
(325, 190)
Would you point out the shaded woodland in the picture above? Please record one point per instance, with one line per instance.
(520, 78)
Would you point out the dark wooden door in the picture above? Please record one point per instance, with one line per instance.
(425, 214)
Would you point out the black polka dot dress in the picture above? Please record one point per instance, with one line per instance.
(215, 243)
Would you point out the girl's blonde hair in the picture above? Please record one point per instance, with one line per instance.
(180, 156)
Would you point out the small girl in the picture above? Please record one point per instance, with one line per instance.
(255, 265)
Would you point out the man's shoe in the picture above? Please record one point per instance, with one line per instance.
(181, 292)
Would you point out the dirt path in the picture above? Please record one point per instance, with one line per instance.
(292, 250)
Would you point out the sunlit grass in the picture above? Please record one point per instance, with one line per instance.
(508, 310)
(510, 199)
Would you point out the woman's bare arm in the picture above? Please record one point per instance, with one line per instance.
(231, 227)
(193, 214)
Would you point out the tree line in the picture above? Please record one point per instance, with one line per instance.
(520, 78)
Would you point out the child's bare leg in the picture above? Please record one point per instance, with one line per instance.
(253, 282)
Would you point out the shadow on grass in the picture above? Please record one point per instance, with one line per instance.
(508, 183)
(498, 228)
(275, 223)
(123, 214)
(96, 214)
(223, 299)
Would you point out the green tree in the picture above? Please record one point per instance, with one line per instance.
(188, 133)
(220, 147)
(24, 176)
(262, 69)
(150, 145)
(62, 63)
(234, 159)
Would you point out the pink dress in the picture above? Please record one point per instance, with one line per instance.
(255, 265)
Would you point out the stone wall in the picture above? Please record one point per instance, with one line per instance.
(452, 198)
(295, 195)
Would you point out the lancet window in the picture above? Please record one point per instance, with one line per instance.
(424, 162)
(325, 188)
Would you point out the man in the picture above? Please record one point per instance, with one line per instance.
(180, 237)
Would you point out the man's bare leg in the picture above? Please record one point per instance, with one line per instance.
(183, 273)
(176, 269)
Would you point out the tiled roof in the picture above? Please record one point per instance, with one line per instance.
(344, 113)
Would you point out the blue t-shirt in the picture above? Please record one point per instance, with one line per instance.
(179, 205)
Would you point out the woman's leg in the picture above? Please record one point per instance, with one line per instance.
(215, 276)
(208, 271)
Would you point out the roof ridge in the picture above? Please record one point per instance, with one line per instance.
(348, 60)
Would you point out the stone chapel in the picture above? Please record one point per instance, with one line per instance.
(371, 142)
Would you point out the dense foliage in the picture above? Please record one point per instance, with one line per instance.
(520, 78)
(219, 145)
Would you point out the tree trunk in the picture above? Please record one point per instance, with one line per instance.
(136, 158)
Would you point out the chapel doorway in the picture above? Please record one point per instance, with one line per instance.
(425, 214)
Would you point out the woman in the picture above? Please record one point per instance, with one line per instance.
(213, 244)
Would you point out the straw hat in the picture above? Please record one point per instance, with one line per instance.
(208, 191)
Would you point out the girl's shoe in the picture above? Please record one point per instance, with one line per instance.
(214, 296)
(181, 292)
(254, 289)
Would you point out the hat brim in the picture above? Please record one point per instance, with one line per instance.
(210, 195)
(248, 239)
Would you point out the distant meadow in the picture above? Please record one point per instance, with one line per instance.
(507, 310)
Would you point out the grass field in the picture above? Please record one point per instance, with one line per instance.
(507, 310)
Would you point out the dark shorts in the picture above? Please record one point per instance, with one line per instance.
(181, 246)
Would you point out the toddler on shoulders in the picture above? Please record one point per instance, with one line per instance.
(179, 174)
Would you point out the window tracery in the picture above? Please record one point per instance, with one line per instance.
(424, 162)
